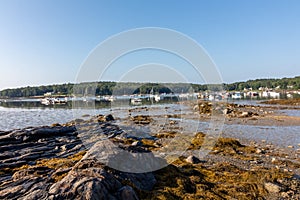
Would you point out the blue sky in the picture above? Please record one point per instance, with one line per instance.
(45, 42)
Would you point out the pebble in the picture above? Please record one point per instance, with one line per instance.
(172, 122)
(136, 143)
(256, 161)
(258, 151)
(272, 187)
(192, 159)
(244, 114)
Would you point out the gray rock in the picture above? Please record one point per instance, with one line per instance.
(135, 162)
(90, 183)
(87, 179)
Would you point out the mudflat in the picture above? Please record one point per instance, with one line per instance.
(78, 159)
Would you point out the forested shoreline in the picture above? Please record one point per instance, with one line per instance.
(111, 88)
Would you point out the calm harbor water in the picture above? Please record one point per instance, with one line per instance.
(16, 115)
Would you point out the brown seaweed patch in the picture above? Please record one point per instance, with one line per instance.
(294, 102)
(170, 134)
(183, 180)
(141, 119)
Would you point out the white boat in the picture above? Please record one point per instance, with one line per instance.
(49, 101)
(151, 95)
(157, 98)
(236, 95)
(136, 101)
(184, 96)
(211, 97)
(274, 94)
(265, 94)
(111, 98)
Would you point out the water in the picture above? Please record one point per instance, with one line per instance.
(283, 135)
(295, 113)
(13, 116)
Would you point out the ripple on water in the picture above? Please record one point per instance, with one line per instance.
(20, 118)
(283, 135)
(14, 118)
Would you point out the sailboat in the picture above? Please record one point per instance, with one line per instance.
(151, 93)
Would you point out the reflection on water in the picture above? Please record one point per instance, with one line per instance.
(37, 104)
(83, 104)
(20, 118)
(23, 114)
(279, 135)
(295, 113)
(282, 135)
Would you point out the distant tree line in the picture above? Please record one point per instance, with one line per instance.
(37, 91)
(113, 88)
(284, 84)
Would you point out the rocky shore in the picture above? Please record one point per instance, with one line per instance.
(73, 161)
(288, 102)
(247, 114)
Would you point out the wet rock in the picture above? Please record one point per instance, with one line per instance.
(27, 145)
(56, 124)
(109, 118)
(141, 119)
(105, 118)
(78, 121)
(227, 111)
(205, 108)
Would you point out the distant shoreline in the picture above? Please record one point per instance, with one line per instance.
(113, 88)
